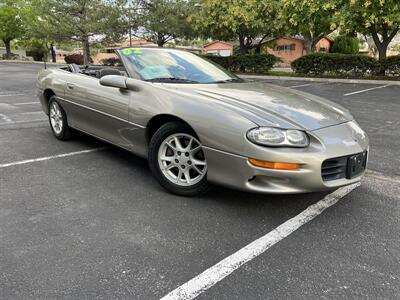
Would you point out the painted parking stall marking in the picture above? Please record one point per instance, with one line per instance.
(10, 94)
(27, 103)
(300, 85)
(33, 160)
(367, 90)
(225, 267)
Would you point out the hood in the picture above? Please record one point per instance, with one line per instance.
(271, 105)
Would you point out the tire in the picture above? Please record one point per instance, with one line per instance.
(58, 120)
(179, 168)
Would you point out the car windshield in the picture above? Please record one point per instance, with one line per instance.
(172, 66)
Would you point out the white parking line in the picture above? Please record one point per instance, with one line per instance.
(9, 95)
(27, 103)
(300, 85)
(225, 267)
(27, 161)
(367, 90)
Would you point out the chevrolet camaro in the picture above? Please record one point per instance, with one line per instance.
(197, 124)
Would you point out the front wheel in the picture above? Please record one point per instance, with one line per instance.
(58, 120)
(177, 160)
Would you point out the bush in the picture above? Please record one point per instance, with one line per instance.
(111, 62)
(75, 59)
(37, 54)
(335, 63)
(36, 49)
(346, 45)
(257, 63)
(392, 65)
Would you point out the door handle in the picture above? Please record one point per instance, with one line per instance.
(70, 86)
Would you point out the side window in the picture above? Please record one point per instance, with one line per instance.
(285, 48)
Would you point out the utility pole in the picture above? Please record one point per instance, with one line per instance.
(130, 24)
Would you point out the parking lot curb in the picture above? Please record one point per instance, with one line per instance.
(327, 80)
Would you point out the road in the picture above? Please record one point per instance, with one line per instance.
(97, 225)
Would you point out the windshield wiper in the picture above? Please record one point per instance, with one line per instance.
(229, 80)
(171, 79)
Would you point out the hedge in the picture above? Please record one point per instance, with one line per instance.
(392, 65)
(335, 63)
(257, 63)
(75, 59)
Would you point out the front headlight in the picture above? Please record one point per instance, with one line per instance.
(270, 136)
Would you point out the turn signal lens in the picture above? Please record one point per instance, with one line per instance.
(274, 165)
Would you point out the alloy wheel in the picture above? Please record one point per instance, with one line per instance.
(56, 118)
(181, 159)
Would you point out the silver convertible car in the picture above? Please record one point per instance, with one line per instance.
(197, 123)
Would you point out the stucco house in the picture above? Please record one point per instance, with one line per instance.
(219, 48)
(289, 49)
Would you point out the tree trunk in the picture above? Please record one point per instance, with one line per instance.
(160, 43)
(53, 53)
(160, 40)
(383, 44)
(242, 45)
(7, 43)
(86, 50)
(308, 45)
(382, 51)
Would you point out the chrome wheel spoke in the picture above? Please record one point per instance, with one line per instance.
(171, 146)
(179, 177)
(178, 144)
(189, 146)
(167, 158)
(170, 166)
(195, 150)
(186, 174)
(198, 170)
(197, 162)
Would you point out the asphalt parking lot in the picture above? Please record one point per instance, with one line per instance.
(97, 225)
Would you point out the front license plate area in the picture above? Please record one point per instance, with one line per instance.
(356, 164)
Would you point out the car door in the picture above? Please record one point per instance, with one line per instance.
(98, 110)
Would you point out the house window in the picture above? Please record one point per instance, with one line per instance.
(285, 48)
(323, 49)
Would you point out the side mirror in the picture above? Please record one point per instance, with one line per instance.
(116, 81)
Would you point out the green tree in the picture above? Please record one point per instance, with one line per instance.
(244, 20)
(161, 21)
(312, 19)
(86, 21)
(11, 25)
(379, 19)
(346, 45)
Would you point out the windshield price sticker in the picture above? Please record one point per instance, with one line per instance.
(131, 51)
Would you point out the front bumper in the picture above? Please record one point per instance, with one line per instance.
(235, 171)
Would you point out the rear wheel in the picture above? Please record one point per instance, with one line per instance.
(177, 160)
(58, 120)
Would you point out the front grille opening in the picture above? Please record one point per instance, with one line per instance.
(334, 168)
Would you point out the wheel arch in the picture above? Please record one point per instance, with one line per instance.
(47, 94)
(159, 120)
